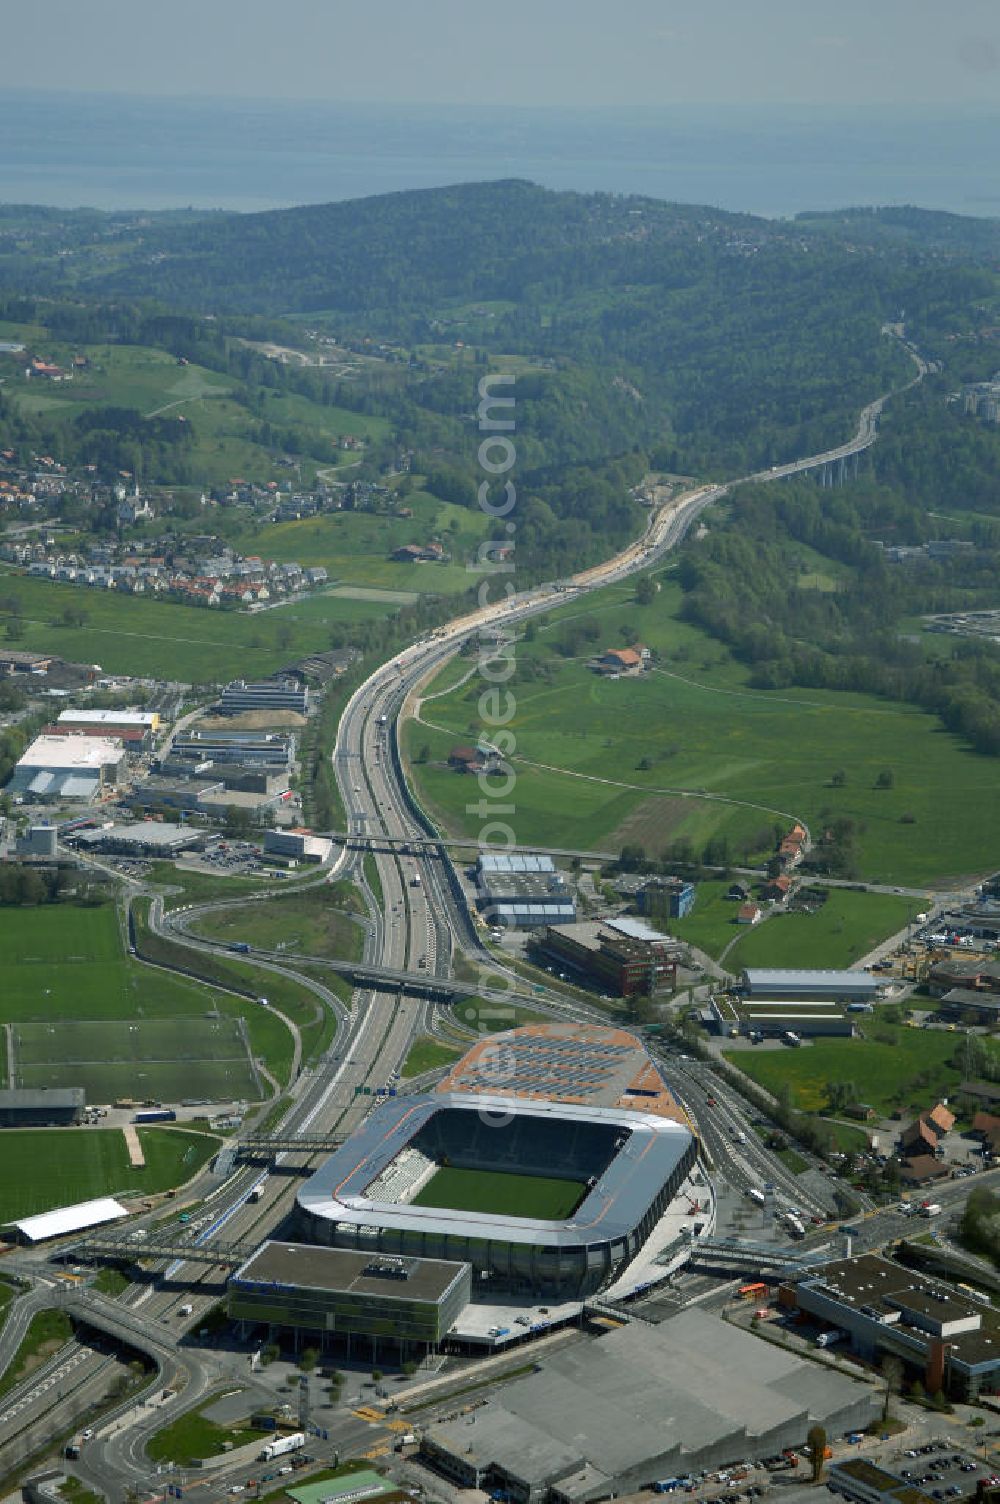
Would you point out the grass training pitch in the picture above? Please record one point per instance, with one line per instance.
(158, 1059)
(45, 1168)
(502, 1194)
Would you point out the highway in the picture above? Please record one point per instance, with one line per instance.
(420, 926)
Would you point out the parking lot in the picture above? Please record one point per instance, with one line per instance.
(941, 1470)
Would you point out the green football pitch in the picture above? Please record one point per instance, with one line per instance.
(502, 1194)
(159, 1059)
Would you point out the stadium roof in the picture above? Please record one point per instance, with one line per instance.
(67, 1219)
(778, 981)
(562, 1062)
(614, 1205)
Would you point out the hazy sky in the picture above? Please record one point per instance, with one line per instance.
(525, 52)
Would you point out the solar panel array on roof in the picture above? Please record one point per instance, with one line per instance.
(532, 1063)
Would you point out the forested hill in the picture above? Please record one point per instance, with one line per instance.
(507, 240)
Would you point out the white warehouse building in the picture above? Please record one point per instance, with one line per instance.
(68, 768)
(777, 984)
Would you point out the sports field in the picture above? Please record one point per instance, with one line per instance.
(159, 1059)
(502, 1194)
(71, 994)
(48, 1167)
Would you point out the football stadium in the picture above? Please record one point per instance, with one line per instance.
(544, 1160)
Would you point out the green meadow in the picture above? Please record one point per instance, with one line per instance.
(687, 749)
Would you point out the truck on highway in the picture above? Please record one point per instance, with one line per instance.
(827, 1339)
(186, 1309)
(257, 1191)
(756, 1195)
(790, 1037)
(930, 1209)
(795, 1226)
(241, 947)
(415, 880)
(284, 1444)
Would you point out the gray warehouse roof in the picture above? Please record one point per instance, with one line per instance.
(506, 866)
(790, 980)
(59, 1097)
(683, 1388)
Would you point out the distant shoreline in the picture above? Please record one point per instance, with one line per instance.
(121, 152)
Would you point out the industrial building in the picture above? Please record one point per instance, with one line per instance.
(774, 1018)
(40, 843)
(666, 898)
(68, 768)
(296, 846)
(140, 838)
(44, 1107)
(580, 1103)
(621, 956)
(369, 1303)
(641, 1403)
(190, 751)
(947, 1341)
(800, 984)
(268, 694)
(522, 891)
(138, 726)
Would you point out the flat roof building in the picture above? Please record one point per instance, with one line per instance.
(640, 1403)
(368, 1299)
(622, 956)
(142, 837)
(42, 1107)
(522, 891)
(949, 1341)
(268, 694)
(111, 720)
(68, 768)
(791, 982)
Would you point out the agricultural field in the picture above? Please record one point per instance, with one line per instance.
(225, 443)
(311, 923)
(165, 640)
(688, 750)
(501, 1193)
(354, 547)
(47, 1167)
(894, 1066)
(847, 926)
(65, 969)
